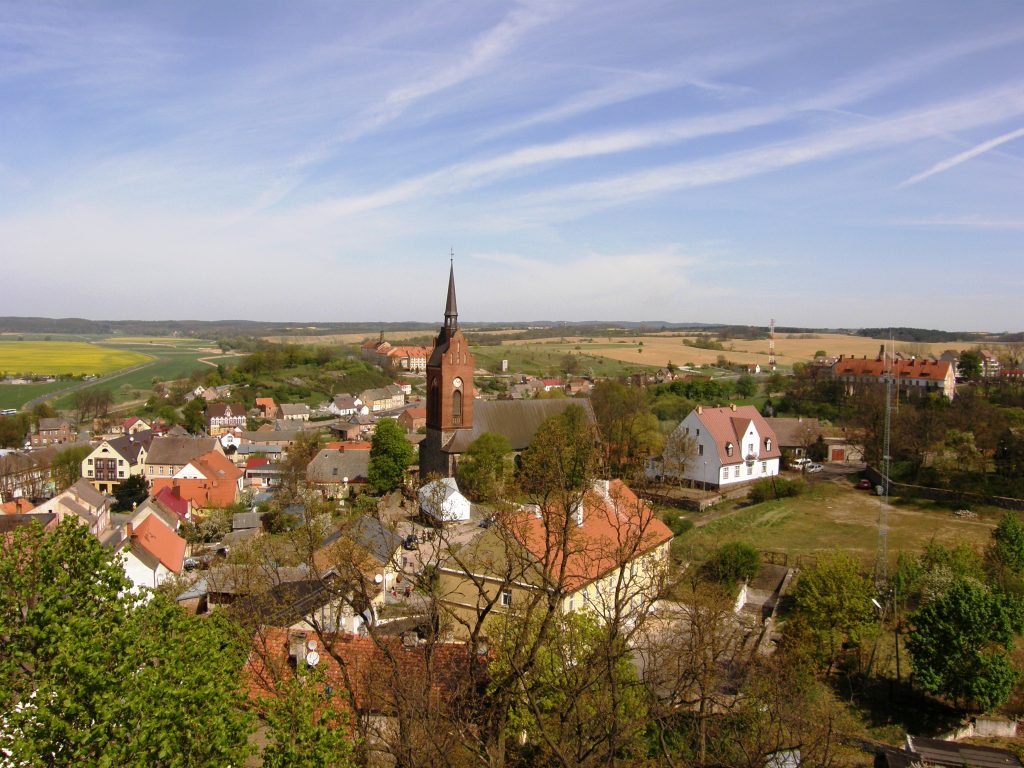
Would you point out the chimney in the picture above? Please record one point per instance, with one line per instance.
(577, 512)
(296, 647)
(700, 409)
(732, 407)
(129, 530)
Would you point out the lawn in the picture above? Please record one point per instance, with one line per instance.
(64, 357)
(833, 515)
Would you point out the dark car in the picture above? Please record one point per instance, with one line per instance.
(410, 542)
(864, 484)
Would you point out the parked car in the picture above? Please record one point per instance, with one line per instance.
(799, 464)
(411, 542)
(864, 484)
(812, 467)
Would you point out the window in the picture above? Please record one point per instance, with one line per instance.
(736, 471)
(334, 471)
(506, 598)
(121, 473)
(90, 462)
(456, 408)
(687, 430)
(572, 603)
(728, 449)
(700, 449)
(750, 469)
(120, 462)
(767, 443)
(764, 467)
(698, 431)
(750, 449)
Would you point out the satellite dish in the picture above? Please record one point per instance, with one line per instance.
(312, 658)
(378, 579)
(311, 645)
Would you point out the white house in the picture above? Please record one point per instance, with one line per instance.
(442, 501)
(151, 552)
(732, 445)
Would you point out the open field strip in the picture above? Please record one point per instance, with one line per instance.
(660, 349)
(329, 339)
(166, 341)
(64, 357)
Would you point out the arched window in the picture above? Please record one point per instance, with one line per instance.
(456, 408)
(728, 449)
(434, 403)
(767, 443)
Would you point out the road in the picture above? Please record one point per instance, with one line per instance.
(85, 384)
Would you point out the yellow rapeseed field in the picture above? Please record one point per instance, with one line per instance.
(64, 357)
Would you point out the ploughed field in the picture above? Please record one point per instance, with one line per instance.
(55, 358)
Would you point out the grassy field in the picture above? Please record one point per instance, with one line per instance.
(661, 348)
(544, 359)
(834, 515)
(16, 395)
(164, 341)
(63, 357)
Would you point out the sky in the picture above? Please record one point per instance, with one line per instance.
(843, 163)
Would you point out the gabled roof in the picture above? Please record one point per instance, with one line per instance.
(216, 466)
(224, 410)
(919, 368)
(294, 409)
(516, 420)
(53, 423)
(178, 451)
(957, 755)
(130, 446)
(330, 466)
(725, 425)
(160, 542)
(170, 498)
(9, 522)
(375, 537)
(82, 489)
(618, 527)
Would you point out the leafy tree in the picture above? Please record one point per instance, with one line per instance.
(628, 427)
(970, 365)
(293, 469)
(193, 415)
(13, 430)
(1004, 557)
(91, 676)
(129, 493)
(42, 411)
(960, 643)
(733, 562)
(564, 456)
(746, 385)
(484, 467)
(833, 602)
(680, 450)
(390, 455)
(305, 727)
(67, 465)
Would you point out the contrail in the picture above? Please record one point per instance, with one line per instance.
(963, 157)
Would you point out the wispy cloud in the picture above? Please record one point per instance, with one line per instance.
(983, 223)
(963, 157)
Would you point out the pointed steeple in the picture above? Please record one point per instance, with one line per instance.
(451, 311)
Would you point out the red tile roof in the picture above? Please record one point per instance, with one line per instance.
(616, 529)
(256, 462)
(371, 669)
(920, 368)
(18, 506)
(173, 500)
(725, 425)
(161, 542)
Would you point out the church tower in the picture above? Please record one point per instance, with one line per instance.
(449, 389)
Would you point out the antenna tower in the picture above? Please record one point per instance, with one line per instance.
(771, 344)
(882, 555)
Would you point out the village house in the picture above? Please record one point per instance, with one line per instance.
(911, 375)
(209, 481)
(223, 417)
(990, 365)
(115, 460)
(413, 359)
(262, 474)
(266, 408)
(347, 405)
(383, 398)
(338, 473)
(151, 552)
(168, 455)
(294, 411)
(413, 419)
(27, 475)
(83, 503)
(616, 554)
(53, 431)
(731, 445)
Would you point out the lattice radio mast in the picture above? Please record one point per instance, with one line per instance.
(771, 344)
(882, 555)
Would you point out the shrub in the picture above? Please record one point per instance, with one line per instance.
(776, 488)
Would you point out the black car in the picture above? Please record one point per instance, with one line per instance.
(410, 542)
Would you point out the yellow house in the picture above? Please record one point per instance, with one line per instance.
(607, 555)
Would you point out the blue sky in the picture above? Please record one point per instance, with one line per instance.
(842, 164)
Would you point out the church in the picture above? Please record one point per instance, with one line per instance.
(455, 419)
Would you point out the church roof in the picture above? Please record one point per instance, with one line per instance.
(516, 420)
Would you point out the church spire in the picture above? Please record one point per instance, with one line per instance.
(451, 311)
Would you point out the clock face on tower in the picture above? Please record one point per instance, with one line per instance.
(457, 382)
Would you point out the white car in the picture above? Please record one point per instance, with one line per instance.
(812, 467)
(799, 464)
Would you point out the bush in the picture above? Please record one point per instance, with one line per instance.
(776, 488)
(732, 563)
(678, 524)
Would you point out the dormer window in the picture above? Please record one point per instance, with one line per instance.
(728, 449)
(767, 443)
